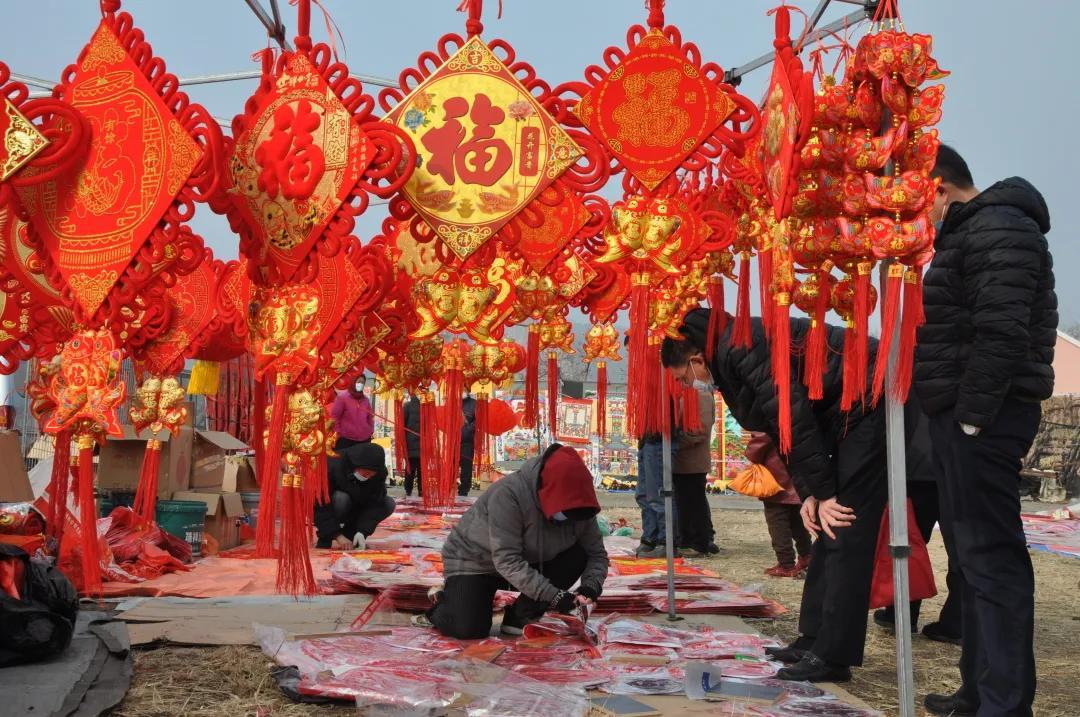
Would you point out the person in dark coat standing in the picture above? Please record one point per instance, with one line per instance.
(411, 411)
(922, 491)
(468, 444)
(984, 363)
(690, 466)
(790, 538)
(837, 460)
(358, 499)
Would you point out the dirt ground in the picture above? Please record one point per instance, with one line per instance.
(235, 681)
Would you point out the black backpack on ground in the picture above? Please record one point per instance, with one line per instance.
(41, 621)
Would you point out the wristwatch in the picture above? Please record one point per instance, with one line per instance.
(969, 429)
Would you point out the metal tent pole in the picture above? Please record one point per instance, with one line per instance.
(669, 522)
(895, 444)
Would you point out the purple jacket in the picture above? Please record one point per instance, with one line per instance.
(353, 418)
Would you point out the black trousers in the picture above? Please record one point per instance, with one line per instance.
(836, 595)
(412, 477)
(464, 609)
(353, 519)
(925, 501)
(980, 504)
(787, 532)
(695, 529)
(465, 480)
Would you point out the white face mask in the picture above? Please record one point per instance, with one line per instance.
(359, 476)
(698, 383)
(559, 517)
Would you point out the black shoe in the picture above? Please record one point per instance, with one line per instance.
(792, 653)
(938, 633)
(950, 705)
(713, 549)
(812, 668)
(886, 618)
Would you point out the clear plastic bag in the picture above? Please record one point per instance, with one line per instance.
(825, 706)
(645, 680)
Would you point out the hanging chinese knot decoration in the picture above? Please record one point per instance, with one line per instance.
(487, 366)
(601, 345)
(108, 233)
(307, 154)
(655, 108)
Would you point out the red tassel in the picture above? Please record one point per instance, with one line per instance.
(294, 575)
(765, 277)
(691, 410)
(58, 485)
(451, 449)
(862, 325)
(401, 450)
(913, 308)
(146, 494)
(553, 392)
(638, 378)
(532, 379)
(482, 434)
(741, 334)
(655, 417)
(717, 316)
(258, 426)
(817, 344)
(430, 449)
(781, 365)
(91, 553)
(889, 314)
(271, 470)
(850, 378)
(601, 400)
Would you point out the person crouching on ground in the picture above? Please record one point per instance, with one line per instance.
(837, 461)
(358, 499)
(782, 512)
(533, 531)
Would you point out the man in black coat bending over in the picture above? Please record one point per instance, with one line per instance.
(837, 461)
(358, 499)
(983, 365)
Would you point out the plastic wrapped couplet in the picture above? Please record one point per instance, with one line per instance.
(645, 680)
(826, 706)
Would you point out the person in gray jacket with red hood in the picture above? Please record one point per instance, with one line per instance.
(533, 531)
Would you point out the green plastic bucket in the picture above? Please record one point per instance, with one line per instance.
(185, 519)
(105, 507)
(251, 507)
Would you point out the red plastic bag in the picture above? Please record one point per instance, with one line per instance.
(920, 571)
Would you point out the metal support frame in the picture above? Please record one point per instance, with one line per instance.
(813, 34)
(667, 491)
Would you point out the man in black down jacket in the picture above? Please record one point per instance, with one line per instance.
(358, 499)
(468, 444)
(983, 365)
(837, 461)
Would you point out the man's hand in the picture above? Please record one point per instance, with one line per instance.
(583, 600)
(341, 543)
(833, 515)
(809, 513)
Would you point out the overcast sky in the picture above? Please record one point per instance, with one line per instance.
(1011, 107)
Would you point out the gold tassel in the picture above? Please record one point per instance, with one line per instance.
(205, 377)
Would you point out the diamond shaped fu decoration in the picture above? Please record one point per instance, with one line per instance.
(485, 147)
(654, 108)
(298, 157)
(95, 220)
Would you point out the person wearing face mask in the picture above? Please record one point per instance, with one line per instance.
(690, 465)
(353, 417)
(358, 499)
(983, 364)
(533, 531)
(837, 461)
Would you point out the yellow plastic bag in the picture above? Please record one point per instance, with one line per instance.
(756, 482)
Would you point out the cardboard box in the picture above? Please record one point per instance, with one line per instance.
(14, 482)
(224, 514)
(209, 465)
(239, 475)
(122, 457)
